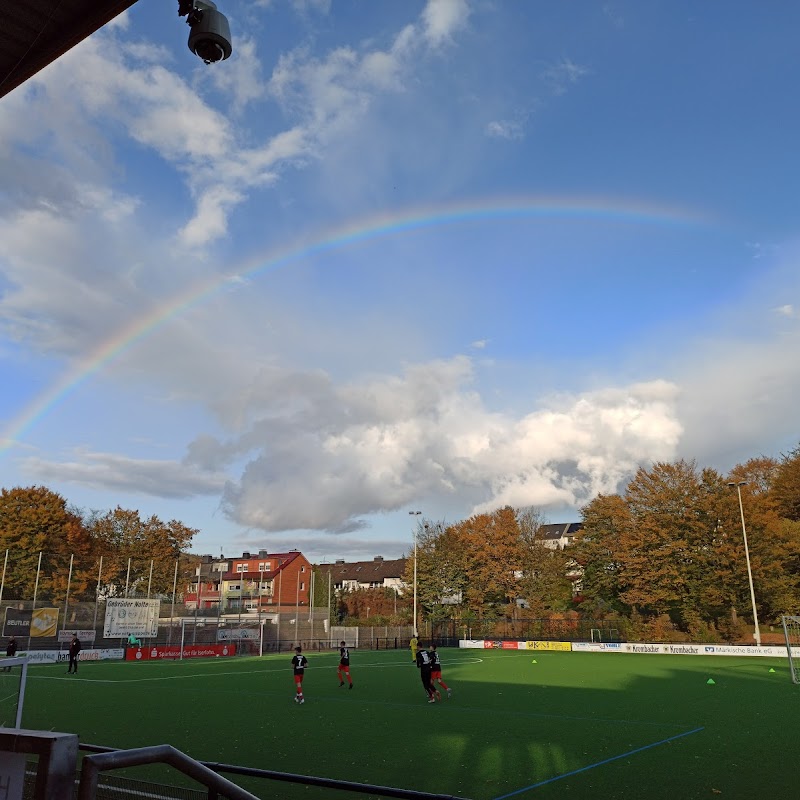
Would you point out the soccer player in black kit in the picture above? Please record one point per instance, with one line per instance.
(424, 664)
(344, 665)
(299, 663)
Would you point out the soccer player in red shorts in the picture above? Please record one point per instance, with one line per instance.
(299, 663)
(436, 672)
(344, 665)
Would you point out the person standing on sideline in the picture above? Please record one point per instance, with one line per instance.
(436, 672)
(74, 649)
(11, 651)
(344, 665)
(424, 665)
(299, 663)
(413, 645)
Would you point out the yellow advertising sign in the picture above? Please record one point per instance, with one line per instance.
(44, 622)
(548, 646)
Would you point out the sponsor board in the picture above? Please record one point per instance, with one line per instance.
(472, 644)
(129, 617)
(173, 652)
(83, 636)
(683, 649)
(37, 623)
(587, 647)
(54, 656)
(745, 650)
(512, 645)
(562, 646)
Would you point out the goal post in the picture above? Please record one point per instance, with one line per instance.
(791, 630)
(13, 677)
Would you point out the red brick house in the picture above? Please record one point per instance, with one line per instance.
(254, 582)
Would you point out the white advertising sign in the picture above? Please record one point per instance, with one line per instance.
(682, 649)
(84, 636)
(126, 617)
(51, 656)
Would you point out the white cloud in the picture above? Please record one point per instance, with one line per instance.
(304, 6)
(240, 77)
(322, 455)
(505, 129)
(739, 394)
(167, 479)
(785, 310)
(559, 77)
(211, 219)
(442, 18)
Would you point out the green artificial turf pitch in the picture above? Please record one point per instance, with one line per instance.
(519, 724)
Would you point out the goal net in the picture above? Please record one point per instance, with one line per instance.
(791, 630)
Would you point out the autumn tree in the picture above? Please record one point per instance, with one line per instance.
(773, 536)
(441, 570)
(786, 486)
(543, 581)
(598, 548)
(138, 553)
(492, 559)
(376, 604)
(665, 548)
(33, 521)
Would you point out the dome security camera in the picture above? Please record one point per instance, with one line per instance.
(209, 34)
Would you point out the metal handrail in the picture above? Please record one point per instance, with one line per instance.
(288, 777)
(93, 765)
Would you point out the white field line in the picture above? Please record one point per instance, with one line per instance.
(215, 674)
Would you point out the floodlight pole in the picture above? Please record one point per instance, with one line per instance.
(414, 625)
(738, 486)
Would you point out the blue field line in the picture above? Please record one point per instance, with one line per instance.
(599, 763)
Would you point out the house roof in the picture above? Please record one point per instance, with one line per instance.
(378, 570)
(35, 33)
(558, 529)
(208, 564)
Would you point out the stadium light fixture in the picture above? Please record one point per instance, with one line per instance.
(738, 485)
(414, 626)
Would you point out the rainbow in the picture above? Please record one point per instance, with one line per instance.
(362, 230)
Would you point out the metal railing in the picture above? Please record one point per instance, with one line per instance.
(206, 772)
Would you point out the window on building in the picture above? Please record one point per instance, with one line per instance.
(264, 566)
(302, 568)
(302, 586)
(241, 567)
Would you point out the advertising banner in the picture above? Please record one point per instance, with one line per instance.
(52, 656)
(563, 646)
(174, 652)
(126, 617)
(682, 649)
(84, 637)
(41, 622)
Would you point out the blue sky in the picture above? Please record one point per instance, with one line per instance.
(439, 256)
